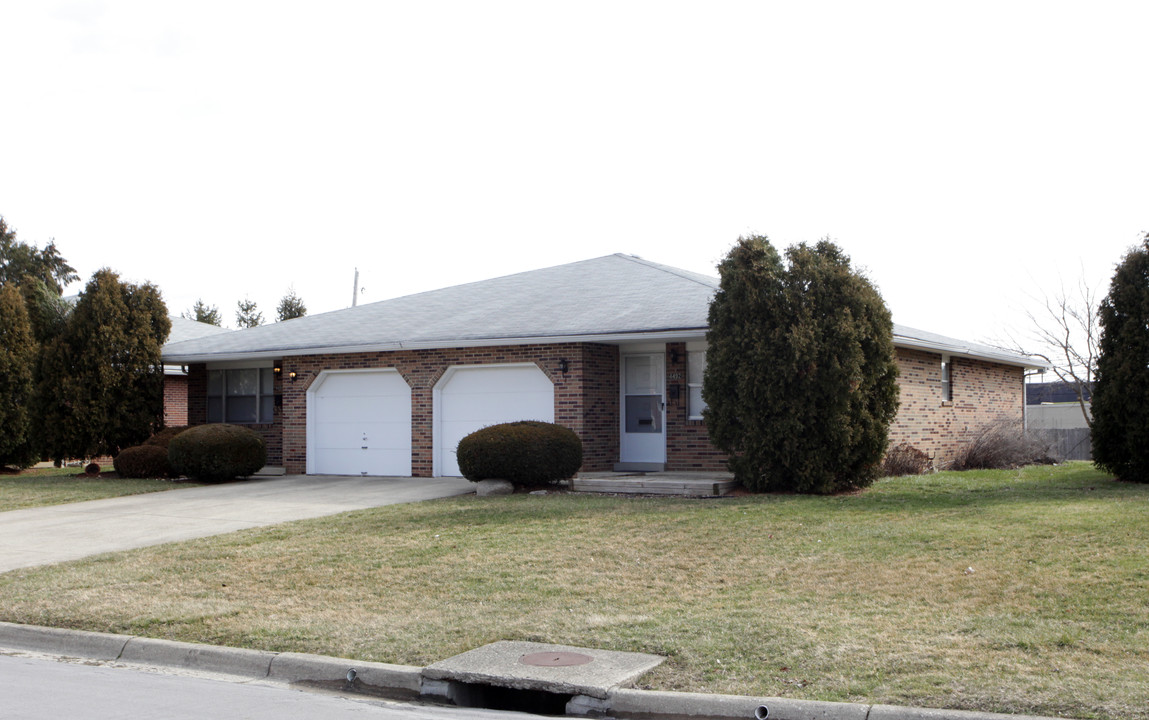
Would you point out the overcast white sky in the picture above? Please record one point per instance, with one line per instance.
(966, 155)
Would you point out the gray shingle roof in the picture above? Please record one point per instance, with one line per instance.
(611, 298)
(604, 297)
(185, 329)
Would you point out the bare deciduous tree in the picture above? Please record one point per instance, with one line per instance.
(1067, 331)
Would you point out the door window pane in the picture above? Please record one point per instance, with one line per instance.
(643, 413)
(640, 378)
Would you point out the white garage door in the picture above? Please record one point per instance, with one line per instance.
(470, 398)
(359, 423)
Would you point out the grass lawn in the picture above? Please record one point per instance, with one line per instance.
(56, 486)
(1020, 591)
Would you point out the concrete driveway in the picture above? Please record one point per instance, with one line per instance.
(41, 536)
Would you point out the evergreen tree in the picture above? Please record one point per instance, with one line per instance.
(19, 260)
(47, 311)
(17, 359)
(1120, 430)
(246, 314)
(291, 306)
(800, 379)
(204, 313)
(101, 380)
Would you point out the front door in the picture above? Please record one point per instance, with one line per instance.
(643, 411)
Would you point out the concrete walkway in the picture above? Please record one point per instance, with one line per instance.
(45, 535)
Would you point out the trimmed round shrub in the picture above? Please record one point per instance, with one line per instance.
(526, 452)
(143, 461)
(164, 437)
(92, 469)
(217, 452)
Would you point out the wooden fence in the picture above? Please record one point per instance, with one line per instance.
(1067, 443)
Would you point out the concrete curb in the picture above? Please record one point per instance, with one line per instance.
(404, 682)
(382, 679)
(191, 656)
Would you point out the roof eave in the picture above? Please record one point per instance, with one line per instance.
(665, 335)
(1028, 363)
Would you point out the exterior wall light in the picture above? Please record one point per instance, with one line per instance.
(291, 375)
(564, 366)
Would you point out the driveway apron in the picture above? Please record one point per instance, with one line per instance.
(58, 533)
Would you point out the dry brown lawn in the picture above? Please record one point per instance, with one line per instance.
(1023, 591)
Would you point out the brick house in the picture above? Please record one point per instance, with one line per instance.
(612, 347)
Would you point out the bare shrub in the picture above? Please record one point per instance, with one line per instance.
(1002, 444)
(905, 459)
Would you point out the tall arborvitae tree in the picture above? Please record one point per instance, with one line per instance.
(19, 260)
(1120, 430)
(800, 380)
(291, 306)
(204, 313)
(17, 358)
(247, 315)
(47, 311)
(101, 380)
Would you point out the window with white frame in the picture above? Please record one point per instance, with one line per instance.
(695, 367)
(241, 395)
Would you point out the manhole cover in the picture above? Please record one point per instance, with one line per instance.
(555, 659)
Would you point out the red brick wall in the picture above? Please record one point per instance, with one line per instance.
(982, 393)
(175, 400)
(687, 443)
(587, 401)
(586, 397)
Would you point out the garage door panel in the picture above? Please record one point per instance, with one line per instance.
(364, 411)
(394, 435)
(360, 424)
(347, 464)
(473, 398)
(480, 406)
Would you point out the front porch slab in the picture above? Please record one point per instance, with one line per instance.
(685, 484)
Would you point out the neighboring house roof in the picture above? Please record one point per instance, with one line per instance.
(608, 299)
(185, 329)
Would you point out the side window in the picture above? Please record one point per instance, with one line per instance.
(947, 379)
(241, 396)
(695, 366)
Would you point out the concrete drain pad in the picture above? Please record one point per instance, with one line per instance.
(555, 669)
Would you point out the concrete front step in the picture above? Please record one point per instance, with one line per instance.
(655, 484)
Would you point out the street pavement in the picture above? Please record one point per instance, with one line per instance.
(43, 688)
(58, 533)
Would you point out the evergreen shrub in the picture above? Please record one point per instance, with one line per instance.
(800, 378)
(526, 452)
(217, 452)
(1120, 429)
(164, 437)
(143, 461)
